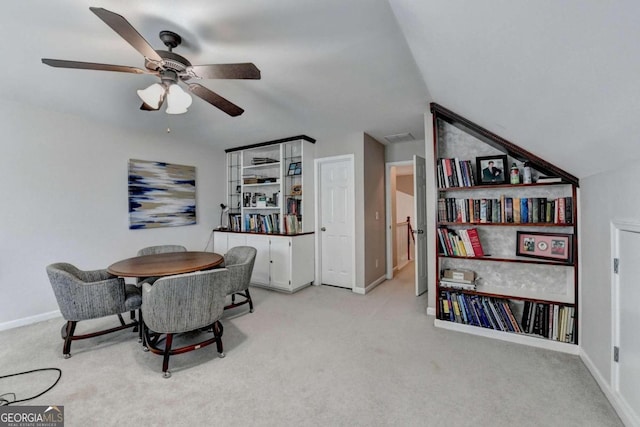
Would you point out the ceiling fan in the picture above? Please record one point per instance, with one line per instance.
(170, 67)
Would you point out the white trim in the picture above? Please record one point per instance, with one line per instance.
(370, 287)
(431, 311)
(29, 320)
(316, 187)
(619, 405)
(508, 336)
(388, 225)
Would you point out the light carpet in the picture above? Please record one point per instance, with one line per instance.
(323, 356)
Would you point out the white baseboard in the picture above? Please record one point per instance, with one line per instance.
(626, 414)
(431, 311)
(507, 336)
(363, 291)
(29, 320)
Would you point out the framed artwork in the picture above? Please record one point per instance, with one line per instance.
(161, 194)
(492, 170)
(550, 246)
(295, 168)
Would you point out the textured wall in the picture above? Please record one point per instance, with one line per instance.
(536, 281)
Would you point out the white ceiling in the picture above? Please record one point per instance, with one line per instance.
(561, 79)
(325, 64)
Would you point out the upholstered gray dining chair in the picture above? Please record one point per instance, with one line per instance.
(184, 303)
(159, 249)
(84, 295)
(239, 261)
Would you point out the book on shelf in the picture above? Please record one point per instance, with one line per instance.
(475, 310)
(542, 179)
(452, 243)
(453, 172)
(452, 284)
(549, 320)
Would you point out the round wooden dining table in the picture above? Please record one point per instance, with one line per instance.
(167, 264)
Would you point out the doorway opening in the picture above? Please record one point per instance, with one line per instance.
(400, 217)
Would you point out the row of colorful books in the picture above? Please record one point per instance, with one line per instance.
(259, 223)
(463, 242)
(553, 321)
(292, 224)
(455, 173)
(518, 210)
(476, 310)
(235, 222)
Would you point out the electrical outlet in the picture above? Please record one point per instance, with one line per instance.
(377, 217)
(377, 263)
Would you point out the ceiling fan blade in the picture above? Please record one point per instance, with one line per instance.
(226, 71)
(216, 100)
(121, 26)
(61, 63)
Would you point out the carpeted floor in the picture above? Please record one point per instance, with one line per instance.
(321, 357)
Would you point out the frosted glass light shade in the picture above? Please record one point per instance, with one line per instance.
(177, 100)
(152, 96)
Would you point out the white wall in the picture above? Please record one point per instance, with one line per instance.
(64, 198)
(603, 198)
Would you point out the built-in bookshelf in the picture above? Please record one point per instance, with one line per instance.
(265, 186)
(513, 230)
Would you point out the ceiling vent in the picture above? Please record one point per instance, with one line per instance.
(399, 137)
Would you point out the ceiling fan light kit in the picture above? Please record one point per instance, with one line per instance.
(170, 67)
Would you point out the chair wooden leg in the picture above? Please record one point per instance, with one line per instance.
(121, 319)
(167, 353)
(250, 301)
(68, 337)
(217, 332)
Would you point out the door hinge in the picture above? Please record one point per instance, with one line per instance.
(616, 265)
(616, 353)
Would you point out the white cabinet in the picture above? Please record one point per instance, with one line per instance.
(283, 263)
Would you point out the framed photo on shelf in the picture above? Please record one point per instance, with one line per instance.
(492, 170)
(295, 168)
(549, 246)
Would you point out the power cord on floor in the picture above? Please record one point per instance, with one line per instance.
(5, 402)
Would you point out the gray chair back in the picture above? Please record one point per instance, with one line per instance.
(161, 249)
(83, 295)
(239, 260)
(184, 302)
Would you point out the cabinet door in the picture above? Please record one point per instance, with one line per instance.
(261, 267)
(280, 251)
(220, 245)
(235, 239)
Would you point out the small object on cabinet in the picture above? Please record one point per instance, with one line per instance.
(295, 168)
(296, 190)
(549, 246)
(491, 169)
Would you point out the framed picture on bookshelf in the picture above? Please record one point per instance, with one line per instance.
(550, 246)
(492, 169)
(295, 168)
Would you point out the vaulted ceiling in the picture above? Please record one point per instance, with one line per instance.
(558, 78)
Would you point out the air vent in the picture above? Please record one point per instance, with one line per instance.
(399, 137)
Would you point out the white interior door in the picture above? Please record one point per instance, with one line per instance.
(420, 209)
(626, 321)
(335, 221)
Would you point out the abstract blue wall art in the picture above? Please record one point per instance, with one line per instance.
(161, 194)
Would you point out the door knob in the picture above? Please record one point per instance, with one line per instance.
(323, 229)
(418, 231)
